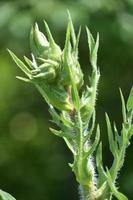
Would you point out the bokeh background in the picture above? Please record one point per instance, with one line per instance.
(33, 162)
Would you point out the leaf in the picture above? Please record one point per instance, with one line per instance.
(99, 163)
(123, 106)
(130, 100)
(70, 146)
(23, 79)
(72, 29)
(94, 52)
(56, 117)
(5, 196)
(57, 133)
(49, 35)
(77, 42)
(20, 64)
(110, 135)
(96, 141)
(91, 41)
(130, 132)
(115, 192)
(28, 61)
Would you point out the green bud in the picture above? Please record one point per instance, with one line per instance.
(71, 67)
(41, 47)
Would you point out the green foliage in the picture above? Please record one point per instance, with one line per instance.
(58, 77)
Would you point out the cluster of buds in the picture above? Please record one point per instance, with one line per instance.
(53, 71)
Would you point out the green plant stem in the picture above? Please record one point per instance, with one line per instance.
(88, 191)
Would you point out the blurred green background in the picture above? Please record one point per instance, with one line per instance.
(33, 162)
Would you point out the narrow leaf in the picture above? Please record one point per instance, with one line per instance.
(99, 163)
(20, 64)
(110, 135)
(72, 29)
(49, 35)
(130, 100)
(70, 146)
(123, 107)
(57, 133)
(91, 41)
(77, 42)
(94, 52)
(28, 61)
(95, 143)
(23, 79)
(115, 192)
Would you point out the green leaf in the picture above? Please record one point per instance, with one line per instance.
(110, 135)
(70, 146)
(96, 141)
(91, 41)
(130, 132)
(20, 64)
(115, 192)
(72, 29)
(94, 52)
(23, 79)
(123, 106)
(130, 100)
(56, 117)
(28, 61)
(57, 133)
(99, 163)
(49, 35)
(77, 42)
(5, 196)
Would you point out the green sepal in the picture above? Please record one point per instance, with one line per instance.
(6, 196)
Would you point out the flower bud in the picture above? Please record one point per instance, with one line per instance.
(41, 47)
